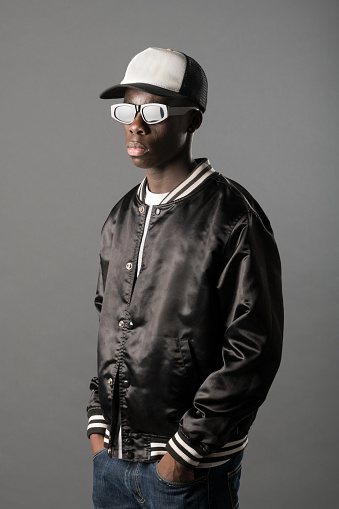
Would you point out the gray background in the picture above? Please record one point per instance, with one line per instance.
(271, 124)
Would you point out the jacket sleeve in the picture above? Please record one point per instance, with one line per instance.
(96, 420)
(250, 300)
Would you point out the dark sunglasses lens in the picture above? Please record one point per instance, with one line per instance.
(125, 113)
(153, 113)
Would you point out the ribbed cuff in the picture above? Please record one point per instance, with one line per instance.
(96, 423)
(182, 452)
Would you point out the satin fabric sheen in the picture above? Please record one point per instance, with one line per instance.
(202, 324)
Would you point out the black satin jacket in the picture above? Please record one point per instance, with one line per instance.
(187, 350)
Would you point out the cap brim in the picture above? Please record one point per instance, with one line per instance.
(118, 91)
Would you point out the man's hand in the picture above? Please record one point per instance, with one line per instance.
(97, 442)
(171, 470)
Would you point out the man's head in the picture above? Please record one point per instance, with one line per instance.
(165, 93)
(159, 145)
(165, 73)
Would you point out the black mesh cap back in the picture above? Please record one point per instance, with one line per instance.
(194, 84)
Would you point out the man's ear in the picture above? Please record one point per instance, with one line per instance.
(195, 121)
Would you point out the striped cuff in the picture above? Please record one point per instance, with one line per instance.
(182, 452)
(96, 424)
(191, 458)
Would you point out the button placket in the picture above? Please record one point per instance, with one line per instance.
(126, 324)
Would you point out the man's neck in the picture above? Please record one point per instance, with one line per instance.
(164, 180)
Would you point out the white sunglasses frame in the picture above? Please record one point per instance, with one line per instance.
(168, 110)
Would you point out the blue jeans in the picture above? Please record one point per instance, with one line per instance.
(119, 484)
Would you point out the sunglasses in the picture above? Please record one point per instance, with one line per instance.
(152, 113)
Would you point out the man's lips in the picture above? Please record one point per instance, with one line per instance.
(135, 148)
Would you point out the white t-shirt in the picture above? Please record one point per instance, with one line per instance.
(150, 199)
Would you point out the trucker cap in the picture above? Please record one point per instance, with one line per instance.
(163, 72)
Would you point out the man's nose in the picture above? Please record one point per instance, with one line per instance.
(138, 126)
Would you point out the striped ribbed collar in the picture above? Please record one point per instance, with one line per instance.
(200, 173)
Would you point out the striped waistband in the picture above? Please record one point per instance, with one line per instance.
(159, 446)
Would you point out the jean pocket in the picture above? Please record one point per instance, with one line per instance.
(174, 484)
(233, 479)
(98, 453)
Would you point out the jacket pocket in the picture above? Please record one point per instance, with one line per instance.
(187, 355)
(163, 383)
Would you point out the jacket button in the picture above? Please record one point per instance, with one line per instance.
(110, 381)
(129, 266)
(121, 323)
(130, 325)
(130, 455)
(129, 441)
(157, 211)
(125, 383)
(141, 209)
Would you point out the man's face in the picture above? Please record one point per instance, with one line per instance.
(156, 146)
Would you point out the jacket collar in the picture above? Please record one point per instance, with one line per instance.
(200, 173)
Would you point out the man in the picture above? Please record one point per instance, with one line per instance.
(190, 308)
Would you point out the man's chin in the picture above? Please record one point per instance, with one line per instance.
(139, 162)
